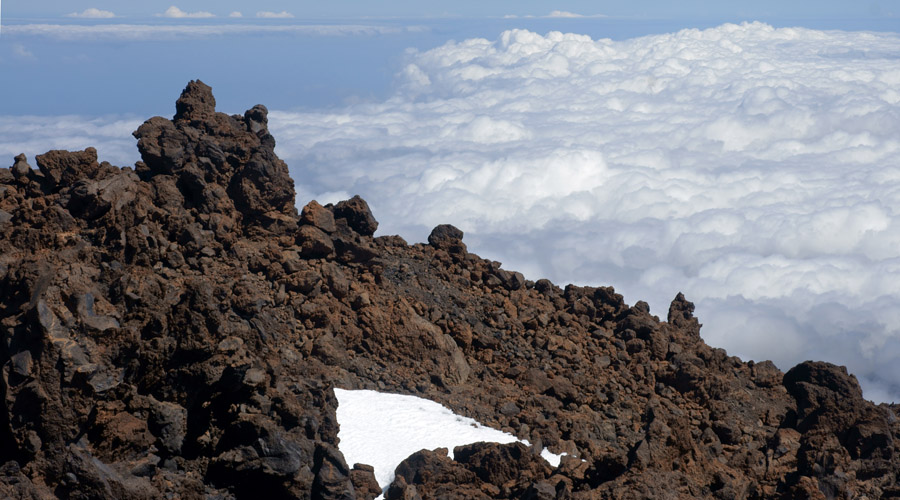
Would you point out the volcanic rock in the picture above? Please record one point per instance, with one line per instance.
(447, 237)
(318, 216)
(364, 483)
(20, 168)
(221, 163)
(357, 214)
(176, 330)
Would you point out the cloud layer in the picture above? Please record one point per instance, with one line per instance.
(274, 15)
(150, 32)
(563, 13)
(176, 13)
(38, 134)
(92, 13)
(755, 169)
(555, 14)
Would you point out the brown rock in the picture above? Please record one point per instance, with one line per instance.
(399, 490)
(681, 314)
(363, 478)
(215, 156)
(823, 390)
(502, 463)
(318, 216)
(63, 168)
(196, 103)
(21, 169)
(357, 214)
(314, 243)
(332, 475)
(434, 475)
(447, 237)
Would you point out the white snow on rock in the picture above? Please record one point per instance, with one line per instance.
(381, 430)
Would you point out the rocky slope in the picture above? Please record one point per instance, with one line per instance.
(175, 330)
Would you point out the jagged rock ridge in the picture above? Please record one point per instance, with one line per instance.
(176, 329)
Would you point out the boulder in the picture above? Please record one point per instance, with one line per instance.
(447, 237)
(318, 216)
(201, 146)
(357, 214)
(63, 168)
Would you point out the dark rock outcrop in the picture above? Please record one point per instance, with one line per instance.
(176, 330)
(221, 164)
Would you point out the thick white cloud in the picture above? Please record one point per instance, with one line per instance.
(274, 15)
(143, 32)
(176, 13)
(236, 14)
(755, 169)
(92, 13)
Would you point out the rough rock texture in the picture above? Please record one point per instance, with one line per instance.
(175, 330)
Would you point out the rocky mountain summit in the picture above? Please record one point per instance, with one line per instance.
(175, 330)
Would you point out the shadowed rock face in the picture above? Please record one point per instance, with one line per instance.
(177, 329)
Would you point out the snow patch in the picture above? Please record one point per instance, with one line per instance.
(382, 429)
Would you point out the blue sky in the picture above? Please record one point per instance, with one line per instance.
(133, 65)
(768, 9)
